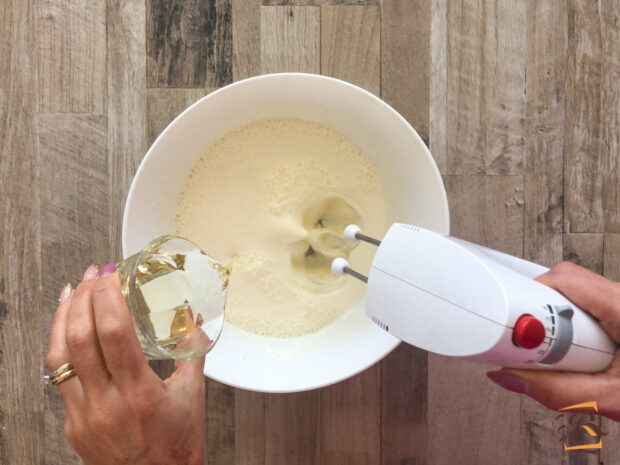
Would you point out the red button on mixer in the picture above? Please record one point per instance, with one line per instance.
(528, 332)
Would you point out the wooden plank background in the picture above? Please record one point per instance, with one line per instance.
(518, 100)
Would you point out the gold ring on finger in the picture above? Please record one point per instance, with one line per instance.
(61, 374)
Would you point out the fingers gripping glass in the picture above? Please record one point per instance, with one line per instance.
(176, 295)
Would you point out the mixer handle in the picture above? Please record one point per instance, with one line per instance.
(528, 269)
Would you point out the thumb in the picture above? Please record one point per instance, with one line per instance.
(191, 371)
(555, 389)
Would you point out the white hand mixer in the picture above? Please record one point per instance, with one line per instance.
(452, 297)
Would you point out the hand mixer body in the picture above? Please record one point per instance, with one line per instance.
(455, 298)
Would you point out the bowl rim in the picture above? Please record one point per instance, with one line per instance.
(364, 94)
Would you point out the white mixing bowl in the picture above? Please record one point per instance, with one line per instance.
(413, 190)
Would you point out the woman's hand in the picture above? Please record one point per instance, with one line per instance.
(554, 389)
(118, 411)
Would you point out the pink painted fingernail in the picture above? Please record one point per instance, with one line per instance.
(508, 381)
(91, 272)
(189, 310)
(107, 269)
(65, 292)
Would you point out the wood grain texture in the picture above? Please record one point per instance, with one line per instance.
(612, 257)
(478, 420)
(610, 108)
(290, 39)
(465, 88)
(582, 152)
(75, 211)
(127, 131)
(584, 249)
(546, 44)
(504, 81)
(350, 44)
(485, 88)
(319, 2)
(220, 430)
(189, 43)
(488, 210)
(249, 427)
(22, 437)
(471, 420)
(404, 407)
(219, 44)
(405, 57)
(71, 46)
(350, 420)
(163, 105)
(246, 38)
(176, 44)
(438, 86)
(21, 330)
(292, 428)
(610, 453)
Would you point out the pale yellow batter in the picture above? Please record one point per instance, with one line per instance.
(258, 201)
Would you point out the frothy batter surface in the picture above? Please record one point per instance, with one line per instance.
(244, 204)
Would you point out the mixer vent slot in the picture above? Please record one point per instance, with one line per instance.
(409, 227)
(380, 323)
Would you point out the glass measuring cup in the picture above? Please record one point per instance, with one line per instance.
(176, 295)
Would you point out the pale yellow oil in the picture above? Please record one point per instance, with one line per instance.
(167, 304)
